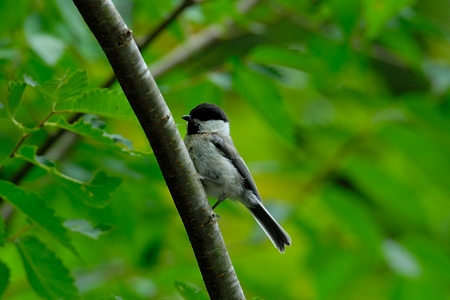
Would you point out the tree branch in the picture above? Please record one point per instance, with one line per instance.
(199, 42)
(176, 166)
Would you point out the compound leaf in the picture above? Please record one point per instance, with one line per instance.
(45, 271)
(37, 211)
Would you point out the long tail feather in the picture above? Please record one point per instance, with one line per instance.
(274, 231)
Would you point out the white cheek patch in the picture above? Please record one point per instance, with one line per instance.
(214, 126)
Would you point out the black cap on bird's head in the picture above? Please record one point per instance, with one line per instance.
(204, 112)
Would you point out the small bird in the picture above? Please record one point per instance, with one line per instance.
(222, 171)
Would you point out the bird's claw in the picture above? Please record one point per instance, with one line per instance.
(212, 218)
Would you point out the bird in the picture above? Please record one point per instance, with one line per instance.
(222, 171)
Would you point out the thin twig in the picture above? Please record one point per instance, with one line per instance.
(25, 136)
(145, 42)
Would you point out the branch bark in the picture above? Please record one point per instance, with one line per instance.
(176, 166)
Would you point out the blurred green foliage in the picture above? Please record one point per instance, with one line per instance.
(341, 109)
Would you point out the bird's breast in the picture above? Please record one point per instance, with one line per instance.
(220, 178)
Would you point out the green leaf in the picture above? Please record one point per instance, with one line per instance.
(286, 57)
(86, 228)
(430, 154)
(402, 44)
(386, 191)
(94, 193)
(65, 88)
(53, 49)
(335, 270)
(48, 47)
(4, 277)
(378, 12)
(86, 129)
(348, 208)
(37, 211)
(102, 102)
(263, 94)
(190, 292)
(347, 12)
(431, 255)
(2, 231)
(8, 109)
(46, 273)
(3, 111)
(15, 93)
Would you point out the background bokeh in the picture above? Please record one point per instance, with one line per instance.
(340, 108)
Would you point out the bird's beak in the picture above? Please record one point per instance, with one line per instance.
(187, 118)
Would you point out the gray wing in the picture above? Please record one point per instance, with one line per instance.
(225, 145)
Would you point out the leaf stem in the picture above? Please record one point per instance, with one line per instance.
(25, 229)
(19, 143)
(27, 134)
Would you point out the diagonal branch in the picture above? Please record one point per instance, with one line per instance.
(176, 166)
